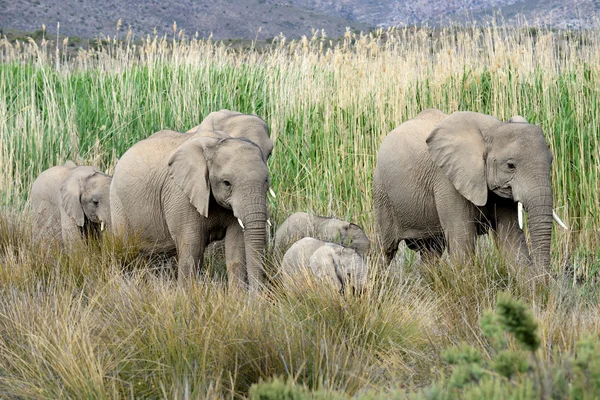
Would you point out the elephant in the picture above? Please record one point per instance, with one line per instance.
(301, 224)
(441, 180)
(341, 266)
(236, 124)
(179, 192)
(239, 125)
(71, 202)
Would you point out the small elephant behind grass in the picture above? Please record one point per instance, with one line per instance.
(301, 224)
(335, 264)
(71, 202)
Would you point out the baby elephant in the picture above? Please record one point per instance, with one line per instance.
(339, 265)
(71, 202)
(301, 224)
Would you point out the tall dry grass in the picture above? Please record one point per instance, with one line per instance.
(103, 322)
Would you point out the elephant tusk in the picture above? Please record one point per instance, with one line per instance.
(269, 222)
(272, 192)
(101, 226)
(241, 223)
(520, 214)
(558, 221)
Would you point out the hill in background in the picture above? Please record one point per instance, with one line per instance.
(554, 13)
(89, 18)
(293, 18)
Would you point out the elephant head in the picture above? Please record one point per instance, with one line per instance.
(232, 173)
(346, 233)
(238, 125)
(84, 197)
(339, 265)
(481, 154)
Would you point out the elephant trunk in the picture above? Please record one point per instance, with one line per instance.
(105, 221)
(254, 218)
(538, 204)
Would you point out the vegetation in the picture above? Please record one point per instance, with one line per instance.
(105, 322)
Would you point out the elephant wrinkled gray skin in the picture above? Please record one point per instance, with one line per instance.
(71, 202)
(339, 265)
(238, 125)
(180, 192)
(444, 179)
(301, 224)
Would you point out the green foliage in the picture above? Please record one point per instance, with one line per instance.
(463, 354)
(492, 330)
(466, 360)
(480, 378)
(586, 369)
(515, 318)
(508, 363)
(278, 389)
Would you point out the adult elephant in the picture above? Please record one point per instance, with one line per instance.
(238, 125)
(441, 180)
(179, 192)
(71, 202)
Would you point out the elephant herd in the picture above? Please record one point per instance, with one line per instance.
(440, 181)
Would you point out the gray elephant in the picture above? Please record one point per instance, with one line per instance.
(71, 202)
(441, 180)
(179, 192)
(301, 224)
(236, 124)
(341, 266)
(239, 125)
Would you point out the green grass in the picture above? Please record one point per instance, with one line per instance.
(103, 322)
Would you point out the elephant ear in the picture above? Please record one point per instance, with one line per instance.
(459, 150)
(70, 195)
(188, 168)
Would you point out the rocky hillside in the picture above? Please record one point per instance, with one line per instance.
(555, 13)
(267, 18)
(89, 18)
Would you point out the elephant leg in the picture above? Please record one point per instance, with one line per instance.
(390, 248)
(509, 238)
(458, 219)
(385, 224)
(188, 230)
(235, 256)
(190, 242)
(190, 254)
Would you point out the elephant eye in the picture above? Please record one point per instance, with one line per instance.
(511, 165)
(95, 201)
(226, 183)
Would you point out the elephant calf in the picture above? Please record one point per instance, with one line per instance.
(70, 202)
(301, 224)
(339, 265)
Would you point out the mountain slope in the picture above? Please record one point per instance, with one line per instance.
(555, 13)
(293, 18)
(89, 18)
